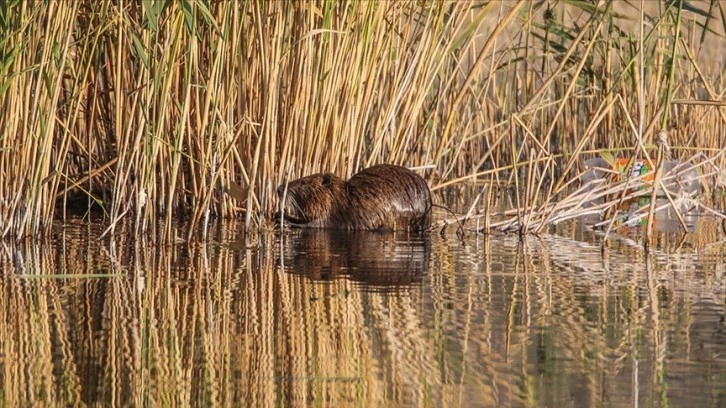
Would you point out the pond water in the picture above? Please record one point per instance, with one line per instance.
(364, 319)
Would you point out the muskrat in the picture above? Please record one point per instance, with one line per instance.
(382, 197)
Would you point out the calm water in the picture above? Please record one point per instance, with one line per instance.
(366, 319)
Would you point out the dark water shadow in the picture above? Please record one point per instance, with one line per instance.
(379, 261)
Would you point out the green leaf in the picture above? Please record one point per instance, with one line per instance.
(151, 14)
(608, 157)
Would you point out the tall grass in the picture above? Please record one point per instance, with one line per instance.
(155, 110)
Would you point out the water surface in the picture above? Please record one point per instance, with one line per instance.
(364, 319)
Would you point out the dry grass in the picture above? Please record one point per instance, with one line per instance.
(151, 111)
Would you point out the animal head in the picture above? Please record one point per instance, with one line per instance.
(310, 201)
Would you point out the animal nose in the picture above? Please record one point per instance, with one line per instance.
(280, 190)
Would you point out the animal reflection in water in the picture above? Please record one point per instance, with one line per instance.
(378, 259)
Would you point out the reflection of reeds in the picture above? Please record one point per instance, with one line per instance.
(148, 111)
(501, 321)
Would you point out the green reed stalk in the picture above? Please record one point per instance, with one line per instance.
(672, 66)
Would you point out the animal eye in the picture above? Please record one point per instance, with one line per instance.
(326, 179)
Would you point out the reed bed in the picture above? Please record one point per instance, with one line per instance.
(155, 111)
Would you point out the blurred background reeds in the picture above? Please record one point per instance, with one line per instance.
(156, 110)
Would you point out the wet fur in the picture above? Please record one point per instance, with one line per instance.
(379, 197)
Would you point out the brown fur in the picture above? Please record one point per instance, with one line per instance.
(380, 197)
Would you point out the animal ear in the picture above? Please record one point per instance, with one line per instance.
(326, 179)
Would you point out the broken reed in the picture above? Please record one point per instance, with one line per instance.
(150, 111)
